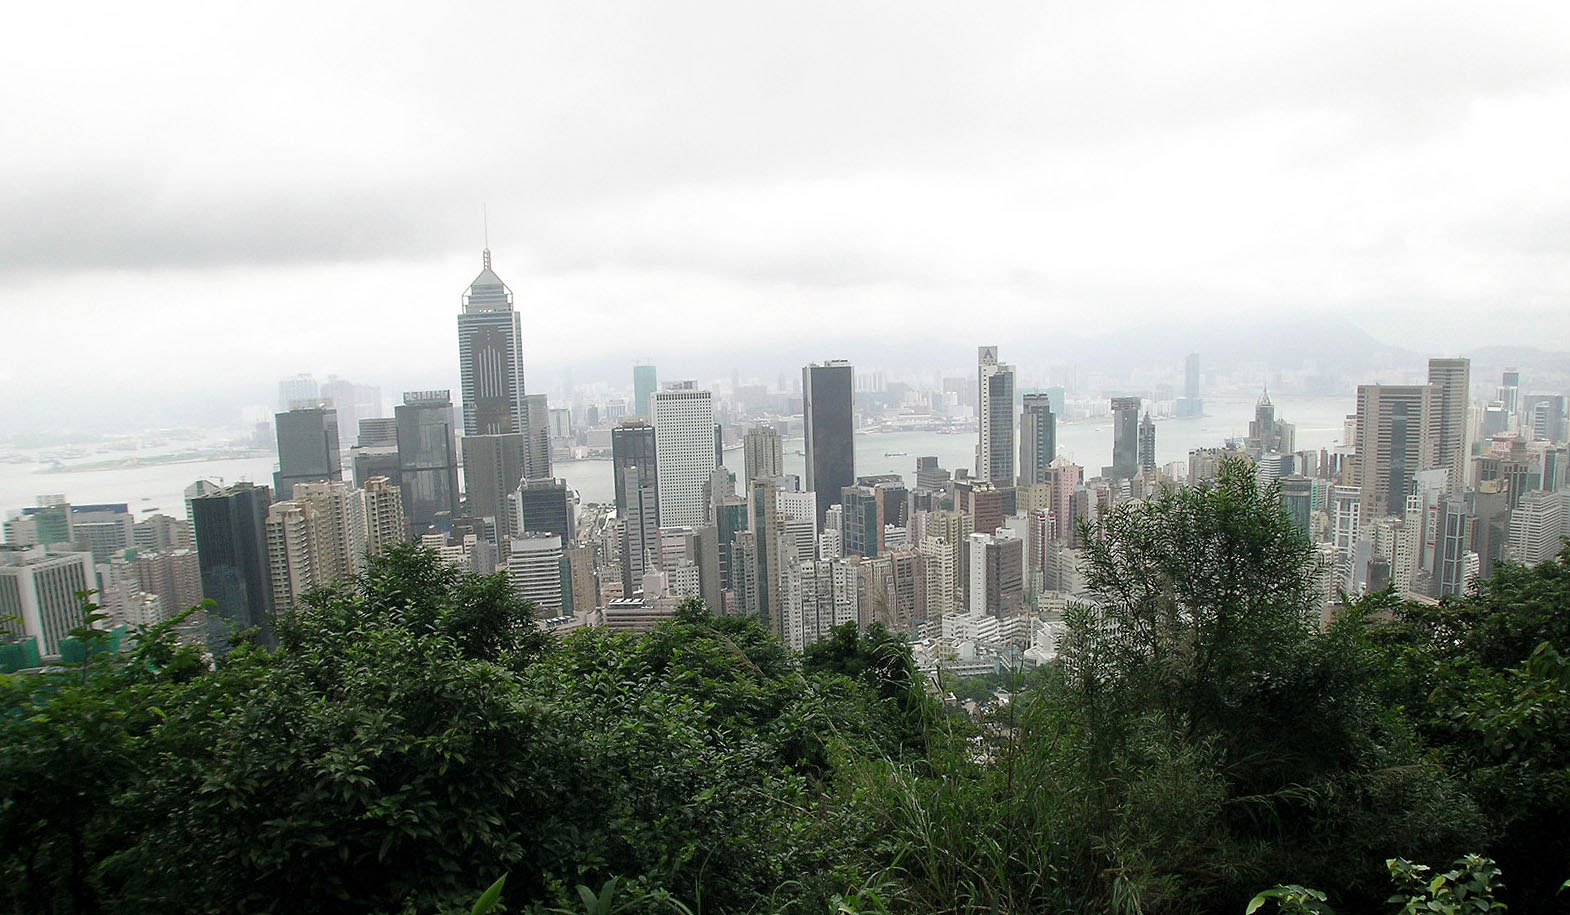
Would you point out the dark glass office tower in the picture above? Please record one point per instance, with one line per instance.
(1125, 437)
(827, 402)
(1038, 439)
(307, 448)
(427, 458)
(231, 549)
(637, 503)
(545, 507)
(493, 467)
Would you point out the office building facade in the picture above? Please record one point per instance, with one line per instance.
(995, 418)
(684, 452)
(828, 419)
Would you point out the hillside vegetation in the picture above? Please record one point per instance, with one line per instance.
(415, 736)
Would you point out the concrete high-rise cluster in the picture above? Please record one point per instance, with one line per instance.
(1445, 488)
(1429, 490)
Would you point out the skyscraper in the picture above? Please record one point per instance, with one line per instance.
(1266, 433)
(490, 357)
(1038, 438)
(828, 420)
(307, 446)
(353, 402)
(645, 381)
(995, 415)
(1147, 444)
(684, 452)
(292, 560)
(535, 569)
(537, 445)
(1451, 380)
(996, 574)
(1537, 525)
(1125, 437)
(38, 588)
(545, 507)
(427, 457)
(492, 469)
(1393, 444)
(763, 453)
(637, 496)
(340, 528)
(300, 387)
(763, 559)
(1190, 405)
(385, 524)
(231, 546)
(375, 452)
(1544, 414)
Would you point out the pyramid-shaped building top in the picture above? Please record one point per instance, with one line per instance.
(487, 292)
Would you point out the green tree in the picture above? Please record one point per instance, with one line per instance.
(1497, 706)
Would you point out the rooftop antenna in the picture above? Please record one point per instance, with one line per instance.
(485, 217)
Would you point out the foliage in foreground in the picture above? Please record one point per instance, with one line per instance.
(414, 736)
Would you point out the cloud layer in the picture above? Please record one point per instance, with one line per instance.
(691, 173)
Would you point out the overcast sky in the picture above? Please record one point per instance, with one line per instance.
(221, 194)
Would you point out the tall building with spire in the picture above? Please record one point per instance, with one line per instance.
(1147, 444)
(490, 357)
(1268, 434)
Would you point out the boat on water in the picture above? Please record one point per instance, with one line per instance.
(896, 454)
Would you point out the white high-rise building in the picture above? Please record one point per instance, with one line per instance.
(1451, 383)
(763, 453)
(684, 452)
(1346, 526)
(938, 561)
(996, 573)
(995, 412)
(818, 597)
(534, 567)
(1408, 558)
(1536, 526)
(384, 521)
(829, 544)
(340, 527)
(291, 552)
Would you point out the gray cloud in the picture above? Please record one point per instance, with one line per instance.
(747, 165)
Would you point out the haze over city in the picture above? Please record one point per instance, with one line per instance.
(234, 196)
(785, 458)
